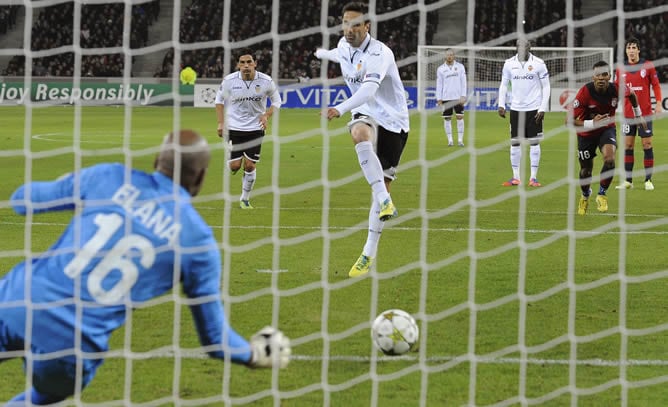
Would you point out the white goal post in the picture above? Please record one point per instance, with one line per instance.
(569, 68)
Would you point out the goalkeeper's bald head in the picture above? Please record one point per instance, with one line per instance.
(184, 157)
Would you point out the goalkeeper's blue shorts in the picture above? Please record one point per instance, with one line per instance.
(52, 376)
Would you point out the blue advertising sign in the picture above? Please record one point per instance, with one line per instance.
(317, 96)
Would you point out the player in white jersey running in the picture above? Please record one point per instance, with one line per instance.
(530, 82)
(451, 93)
(242, 100)
(380, 116)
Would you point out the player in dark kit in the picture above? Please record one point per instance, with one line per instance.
(593, 111)
(641, 76)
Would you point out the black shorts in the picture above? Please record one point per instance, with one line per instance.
(245, 143)
(587, 146)
(632, 129)
(450, 105)
(530, 129)
(389, 147)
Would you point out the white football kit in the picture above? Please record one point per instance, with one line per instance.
(245, 101)
(451, 81)
(530, 82)
(372, 62)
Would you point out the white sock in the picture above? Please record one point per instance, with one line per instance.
(247, 183)
(375, 229)
(515, 159)
(534, 155)
(372, 170)
(448, 129)
(460, 130)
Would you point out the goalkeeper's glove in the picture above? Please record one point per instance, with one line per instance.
(269, 348)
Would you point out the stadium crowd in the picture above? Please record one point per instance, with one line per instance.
(652, 32)
(494, 18)
(8, 17)
(101, 27)
(202, 22)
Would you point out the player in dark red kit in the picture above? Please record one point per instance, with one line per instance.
(593, 111)
(640, 75)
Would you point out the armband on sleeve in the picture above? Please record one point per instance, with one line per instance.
(637, 112)
(588, 124)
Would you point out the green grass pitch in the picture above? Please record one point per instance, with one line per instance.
(558, 308)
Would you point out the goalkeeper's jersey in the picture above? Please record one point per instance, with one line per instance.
(133, 236)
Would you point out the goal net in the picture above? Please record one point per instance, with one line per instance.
(569, 68)
(518, 300)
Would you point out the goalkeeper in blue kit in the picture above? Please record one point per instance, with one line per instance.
(132, 236)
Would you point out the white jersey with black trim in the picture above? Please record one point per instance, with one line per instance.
(529, 82)
(451, 81)
(245, 101)
(374, 62)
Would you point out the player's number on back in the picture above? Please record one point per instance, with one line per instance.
(120, 258)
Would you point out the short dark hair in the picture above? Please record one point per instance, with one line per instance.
(600, 63)
(632, 40)
(359, 7)
(245, 51)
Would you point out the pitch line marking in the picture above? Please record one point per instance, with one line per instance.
(404, 228)
(197, 354)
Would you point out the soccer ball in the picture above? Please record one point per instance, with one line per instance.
(395, 332)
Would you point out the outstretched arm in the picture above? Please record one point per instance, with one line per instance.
(216, 335)
(201, 279)
(363, 95)
(58, 195)
(330, 54)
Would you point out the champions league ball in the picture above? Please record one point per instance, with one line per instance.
(395, 332)
(188, 76)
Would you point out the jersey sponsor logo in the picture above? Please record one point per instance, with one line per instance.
(248, 99)
(353, 79)
(527, 77)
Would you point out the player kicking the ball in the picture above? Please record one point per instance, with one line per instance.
(380, 116)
